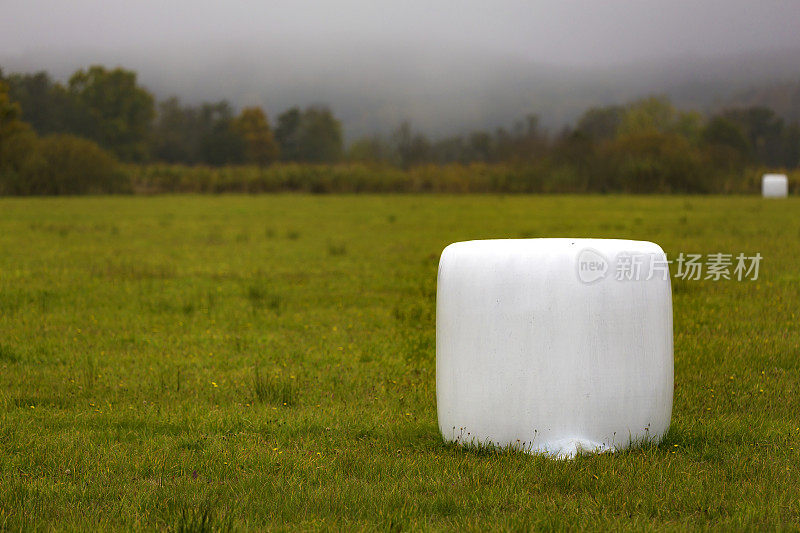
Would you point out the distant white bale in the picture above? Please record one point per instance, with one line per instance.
(775, 186)
(540, 346)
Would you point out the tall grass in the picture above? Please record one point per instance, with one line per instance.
(542, 177)
(275, 389)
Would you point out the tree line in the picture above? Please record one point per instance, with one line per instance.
(109, 107)
(646, 145)
(50, 131)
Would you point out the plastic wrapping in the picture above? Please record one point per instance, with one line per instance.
(549, 345)
(775, 186)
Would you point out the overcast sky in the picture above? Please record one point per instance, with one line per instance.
(566, 32)
(447, 66)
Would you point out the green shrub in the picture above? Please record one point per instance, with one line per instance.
(653, 162)
(64, 164)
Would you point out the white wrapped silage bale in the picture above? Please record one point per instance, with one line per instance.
(540, 346)
(775, 186)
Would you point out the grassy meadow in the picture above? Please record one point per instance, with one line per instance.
(246, 362)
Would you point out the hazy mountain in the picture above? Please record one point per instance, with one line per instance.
(441, 91)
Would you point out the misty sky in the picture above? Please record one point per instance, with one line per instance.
(446, 66)
(567, 32)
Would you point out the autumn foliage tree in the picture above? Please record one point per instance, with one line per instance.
(16, 139)
(260, 147)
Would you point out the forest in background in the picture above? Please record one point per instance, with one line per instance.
(103, 132)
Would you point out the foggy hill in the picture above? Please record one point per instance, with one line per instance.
(441, 92)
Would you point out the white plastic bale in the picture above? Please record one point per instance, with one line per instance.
(535, 353)
(775, 186)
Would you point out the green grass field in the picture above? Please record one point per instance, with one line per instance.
(234, 362)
